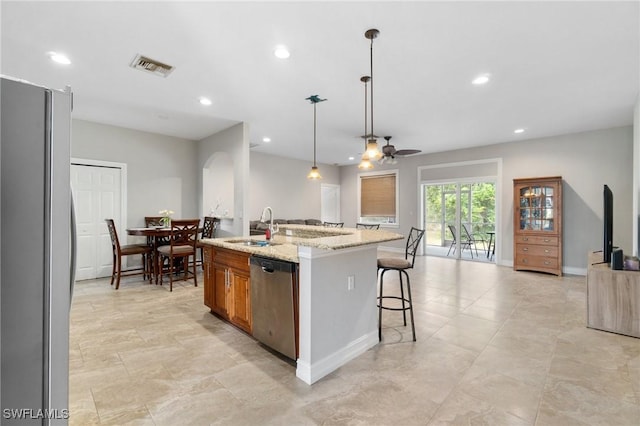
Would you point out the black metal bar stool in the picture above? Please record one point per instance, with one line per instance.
(401, 265)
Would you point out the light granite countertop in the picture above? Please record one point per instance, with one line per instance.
(284, 245)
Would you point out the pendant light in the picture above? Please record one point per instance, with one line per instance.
(365, 164)
(372, 144)
(314, 174)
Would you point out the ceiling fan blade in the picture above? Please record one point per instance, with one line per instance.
(406, 151)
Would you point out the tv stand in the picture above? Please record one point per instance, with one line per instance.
(613, 298)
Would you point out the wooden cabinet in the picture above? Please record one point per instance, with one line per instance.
(537, 224)
(613, 298)
(227, 285)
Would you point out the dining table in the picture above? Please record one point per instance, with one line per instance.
(154, 235)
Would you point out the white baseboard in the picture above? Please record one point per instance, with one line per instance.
(570, 270)
(311, 373)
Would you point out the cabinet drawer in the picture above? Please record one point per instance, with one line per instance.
(232, 258)
(525, 260)
(536, 250)
(537, 240)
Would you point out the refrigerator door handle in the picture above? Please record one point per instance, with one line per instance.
(74, 255)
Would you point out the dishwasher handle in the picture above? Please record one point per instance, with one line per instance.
(267, 270)
(269, 265)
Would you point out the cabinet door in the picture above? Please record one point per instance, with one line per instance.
(240, 312)
(219, 297)
(536, 204)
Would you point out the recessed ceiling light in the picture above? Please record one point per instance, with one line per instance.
(281, 52)
(205, 101)
(481, 79)
(59, 58)
(266, 139)
(518, 131)
(351, 158)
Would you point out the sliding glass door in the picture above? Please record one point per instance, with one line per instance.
(459, 219)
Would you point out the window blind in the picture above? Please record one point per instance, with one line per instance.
(378, 195)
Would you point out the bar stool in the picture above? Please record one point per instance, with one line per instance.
(401, 265)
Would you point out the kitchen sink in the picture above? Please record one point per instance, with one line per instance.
(253, 243)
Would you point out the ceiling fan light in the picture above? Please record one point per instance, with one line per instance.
(314, 174)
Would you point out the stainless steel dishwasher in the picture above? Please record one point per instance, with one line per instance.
(273, 293)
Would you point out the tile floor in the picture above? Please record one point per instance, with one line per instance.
(495, 347)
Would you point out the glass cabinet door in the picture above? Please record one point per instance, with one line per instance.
(536, 208)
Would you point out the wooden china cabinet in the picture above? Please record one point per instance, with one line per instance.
(537, 224)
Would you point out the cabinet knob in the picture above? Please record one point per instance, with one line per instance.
(525, 249)
(524, 260)
(546, 251)
(546, 240)
(546, 262)
(525, 239)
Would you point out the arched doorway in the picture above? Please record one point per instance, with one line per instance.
(218, 186)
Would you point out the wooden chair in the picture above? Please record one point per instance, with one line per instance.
(120, 251)
(150, 221)
(333, 224)
(208, 231)
(401, 265)
(182, 245)
(367, 226)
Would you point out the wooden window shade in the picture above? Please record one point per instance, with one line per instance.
(378, 195)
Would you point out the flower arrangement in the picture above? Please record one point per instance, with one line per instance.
(166, 217)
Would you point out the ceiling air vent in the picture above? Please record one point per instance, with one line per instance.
(151, 65)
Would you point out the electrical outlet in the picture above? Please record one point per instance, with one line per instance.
(288, 232)
(351, 282)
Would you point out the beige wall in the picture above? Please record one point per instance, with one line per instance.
(586, 161)
(235, 142)
(159, 168)
(282, 184)
(166, 173)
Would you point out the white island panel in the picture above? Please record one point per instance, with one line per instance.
(337, 323)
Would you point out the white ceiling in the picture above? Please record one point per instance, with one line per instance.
(556, 67)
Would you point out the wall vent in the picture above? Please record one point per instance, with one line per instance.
(152, 66)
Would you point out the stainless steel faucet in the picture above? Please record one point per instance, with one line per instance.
(262, 219)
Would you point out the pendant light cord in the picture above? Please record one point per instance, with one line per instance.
(314, 99)
(371, 76)
(314, 134)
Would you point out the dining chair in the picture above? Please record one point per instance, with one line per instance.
(182, 246)
(367, 226)
(120, 251)
(333, 224)
(209, 227)
(401, 265)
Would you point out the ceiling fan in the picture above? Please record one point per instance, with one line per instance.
(389, 152)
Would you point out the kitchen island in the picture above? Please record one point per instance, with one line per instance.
(337, 269)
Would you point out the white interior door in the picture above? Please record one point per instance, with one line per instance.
(329, 202)
(97, 192)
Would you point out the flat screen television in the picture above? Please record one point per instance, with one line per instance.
(607, 246)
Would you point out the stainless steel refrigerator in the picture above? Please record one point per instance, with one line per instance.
(36, 267)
